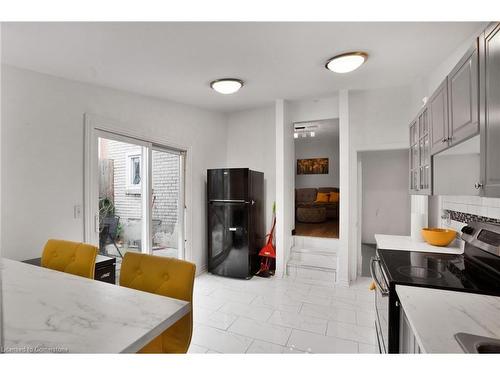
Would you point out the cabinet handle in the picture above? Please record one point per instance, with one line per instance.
(478, 185)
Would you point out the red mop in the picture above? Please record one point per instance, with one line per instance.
(267, 252)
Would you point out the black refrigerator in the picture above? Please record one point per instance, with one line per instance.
(236, 230)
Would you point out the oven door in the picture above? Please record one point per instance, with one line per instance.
(381, 305)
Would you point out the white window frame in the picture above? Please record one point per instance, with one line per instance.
(131, 188)
(97, 126)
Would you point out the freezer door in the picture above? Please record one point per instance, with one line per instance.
(227, 184)
(228, 253)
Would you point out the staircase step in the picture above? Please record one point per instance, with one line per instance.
(311, 265)
(314, 259)
(329, 245)
(302, 250)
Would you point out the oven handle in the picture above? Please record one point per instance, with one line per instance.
(383, 291)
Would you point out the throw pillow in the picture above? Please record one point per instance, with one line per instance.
(322, 197)
(334, 197)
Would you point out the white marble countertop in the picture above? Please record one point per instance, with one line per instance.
(436, 315)
(52, 311)
(405, 243)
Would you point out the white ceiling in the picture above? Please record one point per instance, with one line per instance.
(177, 61)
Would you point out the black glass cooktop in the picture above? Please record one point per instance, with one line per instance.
(442, 271)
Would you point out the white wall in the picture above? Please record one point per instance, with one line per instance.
(322, 146)
(251, 144)
(378, 120)
(1, 330)
(313, 109)
(42, 154)
(385, 200)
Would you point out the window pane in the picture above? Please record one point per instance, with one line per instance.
(120, 208)
(166, 194)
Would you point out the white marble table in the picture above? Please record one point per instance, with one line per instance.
(51, 311)
(435, 316)
(405, 243)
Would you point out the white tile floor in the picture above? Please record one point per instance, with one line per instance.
(281, 316)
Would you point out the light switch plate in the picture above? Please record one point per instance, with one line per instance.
(77, 211)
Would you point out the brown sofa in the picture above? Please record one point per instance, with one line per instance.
(306, 197)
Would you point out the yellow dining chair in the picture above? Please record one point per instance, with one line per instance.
(168, 277)
(72, 257)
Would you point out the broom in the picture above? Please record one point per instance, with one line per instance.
(267, 252)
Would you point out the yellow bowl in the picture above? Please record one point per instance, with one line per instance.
(438, 236)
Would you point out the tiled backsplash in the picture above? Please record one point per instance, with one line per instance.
(488, 207)
(464, 206)
(467, 218)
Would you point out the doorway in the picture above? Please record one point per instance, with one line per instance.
(317, 193)
(135, 196)
(384, 201)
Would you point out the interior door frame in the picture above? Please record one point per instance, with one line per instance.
(96, 126)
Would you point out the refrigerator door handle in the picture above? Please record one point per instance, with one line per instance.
(228, 201)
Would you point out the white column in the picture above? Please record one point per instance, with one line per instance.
(285, 186)
(280, 187)
(345, 194)
(1, 246)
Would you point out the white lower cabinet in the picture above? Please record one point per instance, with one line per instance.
(407, 341)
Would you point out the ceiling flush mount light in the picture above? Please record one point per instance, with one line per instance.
(226, 85)
(346, 62)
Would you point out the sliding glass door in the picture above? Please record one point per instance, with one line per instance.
(121, 199)
(137, 196)
(167, 203)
